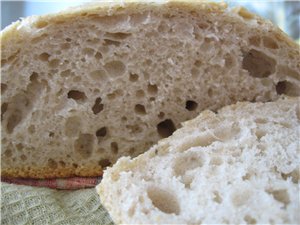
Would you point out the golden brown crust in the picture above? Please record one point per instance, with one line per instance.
(46, 172)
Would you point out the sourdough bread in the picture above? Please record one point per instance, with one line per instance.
(85, 86)
(237, 166)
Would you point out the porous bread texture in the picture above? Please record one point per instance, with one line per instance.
(237, 166)
(83, 87)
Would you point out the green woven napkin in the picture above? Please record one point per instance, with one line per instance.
(34, 205)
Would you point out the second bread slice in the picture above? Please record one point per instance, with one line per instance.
(238, 166)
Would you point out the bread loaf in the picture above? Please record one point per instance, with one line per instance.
(85, 86)
(237, 166)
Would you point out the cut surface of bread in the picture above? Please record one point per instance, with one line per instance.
(237, 166)
(83, 87)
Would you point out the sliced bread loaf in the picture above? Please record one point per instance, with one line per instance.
(83, 87)
(237, 166)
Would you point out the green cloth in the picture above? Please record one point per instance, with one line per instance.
(35, 205)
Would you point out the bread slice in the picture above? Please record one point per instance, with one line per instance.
(237, 166)
(83, 87)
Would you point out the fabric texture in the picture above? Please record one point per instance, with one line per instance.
(64, 183)
(37, 205)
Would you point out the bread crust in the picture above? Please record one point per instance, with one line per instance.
(47, 173)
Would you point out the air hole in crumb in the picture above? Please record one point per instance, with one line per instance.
(280, 195)
(140, 93)
(134, 129)
(165, 128)
(65, 46)
(195, 72)
(258, 64)
(39, 38)
(289, 72)
(13, 120)
(164, 200)
(187, 162)
(161, 115)
(33, 77)
(72, 126)
(114, 147)
(216, 161)
(3, 109)
(23, 157)
(255, 40)
(241, 197)
(285, 124)
(249, 220)
(210, 92)
(229, 61)
(100, 150)
(269, 42)
(152, 89)
(84, 145)
(115, 68)
(99, 75)
(140, 109)
(44, 56)
(54, 63)
(217, 198)
(203, 140)
(77, 95)
(247, 176)
(187, 180)
(131, 151)
(138, 18)
(131, 211)
(294, 176)
(7, 153)
(19, 147)
(101, 132)
(104, 163)
(66, 73)
(88, 51)
(111, 42)
(77, 79)
(62, 164)
(75, 165)
(163, 27)
(3, 88)
(31, 129)
(260, 133)
(98, 107)
(191, 105)
(261, 120)
(114, 94)
(133, 77)
(98, 55)
(52, 163)
(117, 36)
(198, 63)
(287, 88)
